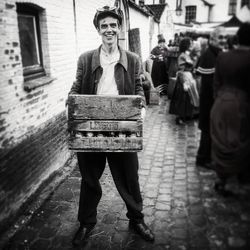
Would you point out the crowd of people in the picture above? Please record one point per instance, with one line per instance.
(210, 78)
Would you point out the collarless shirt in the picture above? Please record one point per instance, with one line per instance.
(107, 84)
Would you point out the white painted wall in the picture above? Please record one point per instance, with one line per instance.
(142, 22)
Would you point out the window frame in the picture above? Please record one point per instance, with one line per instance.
(34, 71)
(232, 7)
(188, 12)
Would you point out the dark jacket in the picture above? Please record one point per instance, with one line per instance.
(233, 70)
(127, 73)
(206, 69)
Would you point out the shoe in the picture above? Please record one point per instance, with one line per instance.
(143, 230)
(81, 235)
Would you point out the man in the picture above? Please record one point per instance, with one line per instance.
(206, 69)
(109, 70)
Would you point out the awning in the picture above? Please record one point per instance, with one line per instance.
(233, 22)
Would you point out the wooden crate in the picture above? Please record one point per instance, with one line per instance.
(99, 123)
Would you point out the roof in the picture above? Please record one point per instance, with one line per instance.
(142, 9)
(207, 3)
(157, 9)
(232, 22)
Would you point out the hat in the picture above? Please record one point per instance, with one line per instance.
(105, 11)
(161, 38)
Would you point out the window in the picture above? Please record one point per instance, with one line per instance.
(232, 7)
(30, 40)
(245, 2)
(190, 14)
(141, 2)
(162, 1)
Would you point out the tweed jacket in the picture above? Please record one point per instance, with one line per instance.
(127, 74)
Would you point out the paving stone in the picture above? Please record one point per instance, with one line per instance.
(163, 206)
(179, 202)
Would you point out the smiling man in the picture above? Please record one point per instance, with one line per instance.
(206, 69)
(109, 70)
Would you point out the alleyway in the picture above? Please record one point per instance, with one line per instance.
(179, 201)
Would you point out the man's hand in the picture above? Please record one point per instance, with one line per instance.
(143, 114)
(142, 77)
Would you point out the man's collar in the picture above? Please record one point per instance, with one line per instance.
(96, 59)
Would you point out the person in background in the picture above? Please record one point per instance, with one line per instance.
(176, 40)
(195, 56)
(230, 114)
(170, 43)
(147, 79)
(109, 70)
(181, 104)
(206, 69)
(203, 43)
(159, 72)
(195, 53)
(232, 42)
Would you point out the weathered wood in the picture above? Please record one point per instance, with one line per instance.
(124, 107)
(105, 144)
(105, 125)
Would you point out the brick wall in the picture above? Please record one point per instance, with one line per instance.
(32, 119)
(27, 164)
(33, 123)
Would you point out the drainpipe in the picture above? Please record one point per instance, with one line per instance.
(75, 26)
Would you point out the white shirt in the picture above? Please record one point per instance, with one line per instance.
(107, 84)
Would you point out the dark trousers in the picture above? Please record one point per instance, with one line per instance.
(204, 150)
(124, 170)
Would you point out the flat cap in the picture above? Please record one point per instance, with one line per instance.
(105, 11)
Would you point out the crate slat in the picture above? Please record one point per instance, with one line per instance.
(105, 144)
(105, 125)
(125, 107)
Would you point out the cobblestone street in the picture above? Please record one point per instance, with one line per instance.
(180, 203)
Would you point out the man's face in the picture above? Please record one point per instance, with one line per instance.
(162, 44)
(109, 30)
(219, 39)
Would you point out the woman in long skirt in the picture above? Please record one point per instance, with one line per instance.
(230, 115)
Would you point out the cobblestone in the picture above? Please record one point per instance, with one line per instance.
(180, 203)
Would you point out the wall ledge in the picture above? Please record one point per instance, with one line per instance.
(38, 82)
